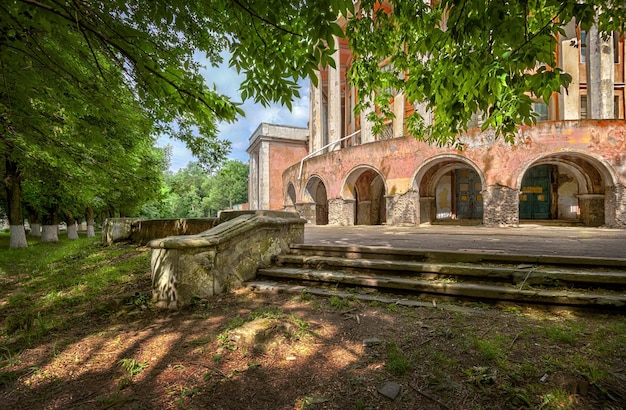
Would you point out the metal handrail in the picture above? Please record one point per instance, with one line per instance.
(322, 149)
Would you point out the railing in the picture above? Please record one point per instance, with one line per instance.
(323, 148)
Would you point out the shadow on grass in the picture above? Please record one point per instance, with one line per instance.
(96, 342)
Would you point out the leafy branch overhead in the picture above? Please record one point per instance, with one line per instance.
(149, 47)
(462, 57)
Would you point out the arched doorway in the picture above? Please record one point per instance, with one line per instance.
(366, 187)
(564, 187)
(450, 190)
(316, 192)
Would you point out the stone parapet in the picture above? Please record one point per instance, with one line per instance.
(186, 267)
(117, 229)
(140, 231)
(143, 231)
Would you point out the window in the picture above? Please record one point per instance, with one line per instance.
(583, 107)
(541, 110)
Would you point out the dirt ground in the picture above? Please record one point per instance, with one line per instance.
(325, 354)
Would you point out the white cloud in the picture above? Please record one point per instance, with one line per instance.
(227, 82)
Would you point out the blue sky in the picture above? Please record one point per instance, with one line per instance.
(227, 82)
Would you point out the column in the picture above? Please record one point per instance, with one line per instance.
(316, 128)
(366, 125)
(254, 180)
(591, 209)
(341, 212)
(334, 100)
(428, 209)
(398, 112)
(264, 176)
(569, 104)
(600, 75)
(500, 206)
(403, 209)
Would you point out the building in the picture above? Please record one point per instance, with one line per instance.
(272, 149)
(569, 167)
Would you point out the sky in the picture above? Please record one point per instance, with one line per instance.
(227, 82)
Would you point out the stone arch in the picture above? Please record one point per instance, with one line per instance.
(315, 193)
(367, 188)
(450, 187)
(567, 185)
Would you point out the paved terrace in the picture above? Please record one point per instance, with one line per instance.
(523, 240)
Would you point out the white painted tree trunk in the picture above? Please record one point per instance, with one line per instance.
(50, 233)
(91, 232)
(18, 237)
(72, 231)
(35, 230)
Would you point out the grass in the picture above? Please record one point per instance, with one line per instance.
(48, 287)
(398, 363)
(132, 366)
(561, 333)
(491, 350)
(457, 358)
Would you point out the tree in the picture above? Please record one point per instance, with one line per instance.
(54, 56)
(194, 193)
(228, 187)
(462, 57)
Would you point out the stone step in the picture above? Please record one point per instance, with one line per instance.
(276, 287)
(452, 289)
(526, 273)
(424, 255)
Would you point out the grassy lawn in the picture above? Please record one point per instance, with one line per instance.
(78, 331)
(47, 288)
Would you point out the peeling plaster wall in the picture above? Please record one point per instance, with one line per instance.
(281, 156)
(597, 147)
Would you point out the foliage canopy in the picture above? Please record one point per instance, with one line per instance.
(462, 57)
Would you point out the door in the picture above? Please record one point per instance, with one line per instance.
(535, 199)
(469, 200)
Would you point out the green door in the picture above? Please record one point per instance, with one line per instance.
(535, 199)
(469, 200)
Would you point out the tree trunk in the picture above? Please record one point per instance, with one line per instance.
(89, 218)
(12, 184)
(72, 229)
(50, 232)
(35, 229)
(33, 220)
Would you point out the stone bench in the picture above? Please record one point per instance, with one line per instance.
(222, 258)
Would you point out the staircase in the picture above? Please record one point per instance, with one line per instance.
(421, 277)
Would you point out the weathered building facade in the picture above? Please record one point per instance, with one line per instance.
(272, 148)
(570, 166)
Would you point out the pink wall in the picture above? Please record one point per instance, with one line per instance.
(601, 142)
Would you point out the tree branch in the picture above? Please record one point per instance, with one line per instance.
(264, 20)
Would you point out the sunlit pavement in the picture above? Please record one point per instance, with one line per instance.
(523, 240)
